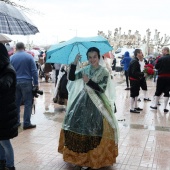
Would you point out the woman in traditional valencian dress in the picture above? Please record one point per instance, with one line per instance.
(89, 135)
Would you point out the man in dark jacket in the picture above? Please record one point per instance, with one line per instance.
(163, 81)
(143, 83)
(8, 112)
(135, 75)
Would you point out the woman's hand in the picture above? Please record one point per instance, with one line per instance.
(85, 78)
(77, 58)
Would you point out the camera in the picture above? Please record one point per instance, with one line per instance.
(35, 92)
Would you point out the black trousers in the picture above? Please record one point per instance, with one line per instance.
(134, 88)
(163, 86)
(143, 84)
(127, 78)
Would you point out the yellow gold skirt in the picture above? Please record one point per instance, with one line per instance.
(103, 155)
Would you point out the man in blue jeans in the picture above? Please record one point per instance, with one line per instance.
(6, 155)
(27, 77)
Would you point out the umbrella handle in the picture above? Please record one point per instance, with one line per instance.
(79, 61)
(78, 51)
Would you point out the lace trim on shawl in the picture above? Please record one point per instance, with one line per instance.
(99, 104)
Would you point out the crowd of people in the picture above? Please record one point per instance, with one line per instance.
(135, 73)
(90, 133)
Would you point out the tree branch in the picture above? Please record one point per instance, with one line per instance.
(26, 9)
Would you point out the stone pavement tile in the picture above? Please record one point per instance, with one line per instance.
(146, 168)
(67, 166)
(40, 160)
(20, 156)
(149, 152)
(147, 162)
(22, 166)
(128, 167)
(56, 163)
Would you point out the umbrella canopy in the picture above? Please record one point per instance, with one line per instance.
(65, 52)
(4, 39)
(13, 21)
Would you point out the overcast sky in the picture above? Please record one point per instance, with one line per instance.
(62, 19)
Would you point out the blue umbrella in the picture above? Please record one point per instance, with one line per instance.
(65, 52)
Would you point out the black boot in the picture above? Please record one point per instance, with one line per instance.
(2, 164)
(77, 168)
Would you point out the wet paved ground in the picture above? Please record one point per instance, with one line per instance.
(144, 138)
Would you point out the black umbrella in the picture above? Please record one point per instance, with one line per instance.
(14, 21)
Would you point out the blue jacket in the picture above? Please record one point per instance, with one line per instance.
(126, 61)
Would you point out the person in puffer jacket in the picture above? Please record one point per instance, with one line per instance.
(126, 61)
(8, 112)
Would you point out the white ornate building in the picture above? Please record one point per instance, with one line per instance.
(148, 44)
